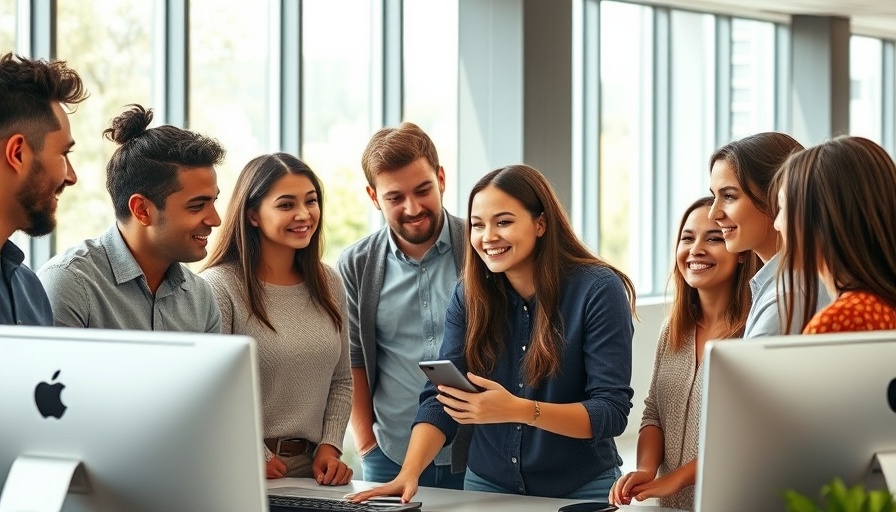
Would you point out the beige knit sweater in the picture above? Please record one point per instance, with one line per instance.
(673, 405)
(306, 386)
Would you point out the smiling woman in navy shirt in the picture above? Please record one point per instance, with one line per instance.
(545, 328)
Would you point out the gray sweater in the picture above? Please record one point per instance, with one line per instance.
(306, 383)
(673, 405)
(362, 266)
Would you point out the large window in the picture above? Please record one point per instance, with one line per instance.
(752, 77)
(7, 26)
(673, 88)
(627, 99)
(865, 75)
(228, 91)
(337, 123)
(89, 34)
(336, 112)
(430, 80)
(693, 120)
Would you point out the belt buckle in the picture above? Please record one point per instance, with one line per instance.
(293, 440)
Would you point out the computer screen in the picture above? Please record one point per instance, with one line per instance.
(793, 412)
(158, 420)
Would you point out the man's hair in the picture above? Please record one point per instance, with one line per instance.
(28, 89)
(391, 149)
(148, 161)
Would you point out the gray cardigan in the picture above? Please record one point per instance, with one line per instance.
(362, 266)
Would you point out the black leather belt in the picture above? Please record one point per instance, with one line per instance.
(288, 447)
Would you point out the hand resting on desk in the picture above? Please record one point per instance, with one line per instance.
(426, 441)
(275, 468)
(328, 468)
(642, 485)
(621, 490)
(403, 485)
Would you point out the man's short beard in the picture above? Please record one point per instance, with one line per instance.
(416, 239)
(37, 203)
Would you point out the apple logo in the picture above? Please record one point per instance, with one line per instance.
(48, 398)
(891, 394)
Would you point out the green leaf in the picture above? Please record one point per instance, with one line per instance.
(796, 502)
(879, 501)
(855, 497)
(838, 498)
(835, 496)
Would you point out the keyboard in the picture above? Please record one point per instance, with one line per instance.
(309, 504)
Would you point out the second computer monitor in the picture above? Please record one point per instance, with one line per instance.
(793, 412)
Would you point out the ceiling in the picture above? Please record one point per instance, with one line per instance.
(871, 17)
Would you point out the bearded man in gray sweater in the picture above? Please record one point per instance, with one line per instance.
(398, 281)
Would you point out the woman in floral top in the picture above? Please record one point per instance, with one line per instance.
(837, 215)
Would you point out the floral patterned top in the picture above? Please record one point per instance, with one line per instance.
(853, 311)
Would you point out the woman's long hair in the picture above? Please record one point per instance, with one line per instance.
(686, 312)
(240, 242)
(556, 252)
(840, 211)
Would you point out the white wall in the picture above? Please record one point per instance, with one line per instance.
(652, 312)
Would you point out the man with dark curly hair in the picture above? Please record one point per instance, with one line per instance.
(163, 185)
(36, 139)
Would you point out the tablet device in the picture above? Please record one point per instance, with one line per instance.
(588, 506)
(444, 373)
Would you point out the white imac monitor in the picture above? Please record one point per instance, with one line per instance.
(151, 420)
(793, 412)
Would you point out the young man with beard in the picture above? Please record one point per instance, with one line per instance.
(398, 282)
(163, 186)
(36, 139)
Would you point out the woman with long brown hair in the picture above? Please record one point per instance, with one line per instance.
(741, 174)
(711, 299)
(837, 212)
(270, 283)
(544, 328)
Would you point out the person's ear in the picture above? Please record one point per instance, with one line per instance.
(14, 151)
(440, 176)
(540, 225)
(252, 215)
(372, 193)
(140, 209)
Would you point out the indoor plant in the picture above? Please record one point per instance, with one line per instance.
(838, 498)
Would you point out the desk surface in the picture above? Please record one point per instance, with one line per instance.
(445, 500)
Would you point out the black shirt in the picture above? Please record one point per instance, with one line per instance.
(23, 300)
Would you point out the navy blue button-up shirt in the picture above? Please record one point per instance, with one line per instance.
(23, 300)
(595, 370)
